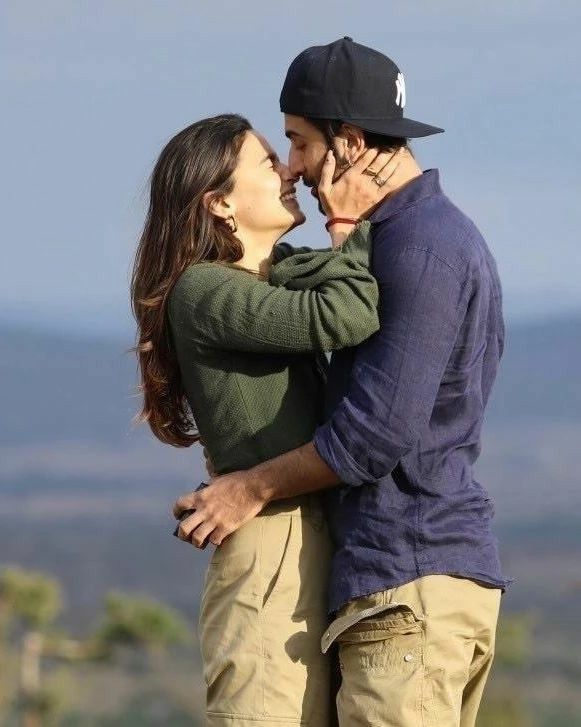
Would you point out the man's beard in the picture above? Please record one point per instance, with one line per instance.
(341, 167)
(312, 186)
(310, 183)
(315, 195)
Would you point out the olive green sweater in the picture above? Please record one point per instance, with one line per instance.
(250, 351)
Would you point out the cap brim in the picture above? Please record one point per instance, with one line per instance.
(407, 128)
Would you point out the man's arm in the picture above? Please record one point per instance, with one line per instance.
(398, 372)
(231, 500)
(294, 473)
(394, 384)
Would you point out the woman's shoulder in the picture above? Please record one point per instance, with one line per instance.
(201, 283)
(199, 277)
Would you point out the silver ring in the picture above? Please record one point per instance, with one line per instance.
(370, 172)
(379, 180)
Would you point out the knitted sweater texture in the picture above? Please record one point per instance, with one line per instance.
(251, 351)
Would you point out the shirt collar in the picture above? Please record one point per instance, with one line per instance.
(419, 188)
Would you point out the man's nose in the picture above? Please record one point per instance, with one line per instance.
(295, 165)
(286, 174)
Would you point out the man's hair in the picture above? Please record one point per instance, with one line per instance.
(332, 127)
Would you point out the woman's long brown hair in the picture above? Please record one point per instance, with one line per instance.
(179, 231)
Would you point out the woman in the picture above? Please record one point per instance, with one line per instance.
(231, 336)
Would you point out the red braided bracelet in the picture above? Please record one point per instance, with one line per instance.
(337, 220)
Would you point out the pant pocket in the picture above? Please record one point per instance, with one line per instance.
(390, 640)
(382, 670)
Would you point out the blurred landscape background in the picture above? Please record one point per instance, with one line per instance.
(85, 498)
(98, 602)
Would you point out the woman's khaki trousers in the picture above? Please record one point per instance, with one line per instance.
(262, 616)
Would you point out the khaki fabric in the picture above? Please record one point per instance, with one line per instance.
(417, 655)
(262, 615)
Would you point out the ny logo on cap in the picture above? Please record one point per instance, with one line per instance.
(400, 87)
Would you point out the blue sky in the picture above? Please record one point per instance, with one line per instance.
(92, 91)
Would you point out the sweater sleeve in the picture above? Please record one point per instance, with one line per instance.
(313, 301)
(282, 250)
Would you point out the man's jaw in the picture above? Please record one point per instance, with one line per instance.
(314, 192)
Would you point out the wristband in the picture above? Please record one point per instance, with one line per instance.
(338, 220)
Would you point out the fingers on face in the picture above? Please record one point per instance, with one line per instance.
(327, 171)
(387, 164)
(365, 160)
(382, 164)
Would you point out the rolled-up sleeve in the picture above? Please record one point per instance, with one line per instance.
(396, 373)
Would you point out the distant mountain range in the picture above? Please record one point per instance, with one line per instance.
(68, 404)
(540, 374)
(59, 388)
(86, 495)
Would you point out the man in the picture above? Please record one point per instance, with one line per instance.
(416, 582)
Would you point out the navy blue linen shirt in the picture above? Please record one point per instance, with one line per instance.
(405, 408)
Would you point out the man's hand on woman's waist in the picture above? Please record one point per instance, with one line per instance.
(232, 500)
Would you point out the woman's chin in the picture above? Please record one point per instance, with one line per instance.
(292, 218)
(301, 218)
(298, 218)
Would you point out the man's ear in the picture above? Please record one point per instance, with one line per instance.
(219, 206)
(354, 141)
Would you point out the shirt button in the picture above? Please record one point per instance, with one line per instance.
(408, 657)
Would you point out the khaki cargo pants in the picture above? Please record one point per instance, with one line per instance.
(417, 655)
(263, 612)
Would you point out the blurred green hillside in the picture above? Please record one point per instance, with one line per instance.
(85, 499)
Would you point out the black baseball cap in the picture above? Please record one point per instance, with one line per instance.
(350, 82)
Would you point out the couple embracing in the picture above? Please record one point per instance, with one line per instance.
(346, 520)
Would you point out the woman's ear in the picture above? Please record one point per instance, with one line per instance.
(218, 206)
